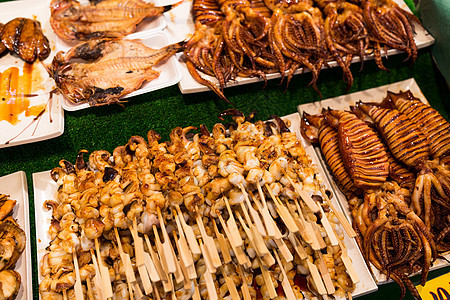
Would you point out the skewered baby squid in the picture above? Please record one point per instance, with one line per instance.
(221, 215)
(108, 70)
(72, 20)
(12, 244)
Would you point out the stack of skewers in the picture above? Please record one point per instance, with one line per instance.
(238, 213)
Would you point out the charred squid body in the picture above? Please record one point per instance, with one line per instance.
(102, 71)
(391, 25)
(315, 129)
(100, 19)
(362, 151)
(427, 119)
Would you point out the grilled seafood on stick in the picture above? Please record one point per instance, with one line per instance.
(242, 213)
(102, 71)
(25, 38)
(72, 20)
(12, 244)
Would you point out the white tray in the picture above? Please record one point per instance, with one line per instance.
(180, 26)
(343, 103)
(45, 188)
(170, 74)
(15, 185)
(51, 123)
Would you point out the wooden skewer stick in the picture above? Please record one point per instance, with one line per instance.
(156, 292)
(156, 261)
(167, 246)
(89, 288)
(97, 277)
(222, 243)
(212, 292)
(104, 272)
(268, 220)
(308, 228)
(140, 261)
(184, 248)
(236, 238)
(255, 216)
(297, 246)
(316, 278)
(244, 287)
(187, 282)
(342, 219)
(154, 269)
(348, 263)
(238, 252)
(327, 226)
(196, 295)
(162, 256)
(209, 265)
(287, 288)
(231, 286)
(283, 212)
(267, 280)
(64, 294)
(129, 272)
(304, 195)
(189, 232)
(257, 243)
(325, 274)
(77, 288)
(209, 242)
(179, 276)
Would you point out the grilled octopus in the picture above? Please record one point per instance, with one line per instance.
(25, 38)
(109, 69)
(100, 19)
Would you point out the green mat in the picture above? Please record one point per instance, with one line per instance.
(110, 126)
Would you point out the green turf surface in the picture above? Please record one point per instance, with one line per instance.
(110, 126)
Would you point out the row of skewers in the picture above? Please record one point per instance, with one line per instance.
(12, 244)
(391, 161)
(238, 213)
(252, 38)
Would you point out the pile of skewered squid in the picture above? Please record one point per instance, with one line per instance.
(238, 213)
(12, 244)
(252, 38)
(391, 161)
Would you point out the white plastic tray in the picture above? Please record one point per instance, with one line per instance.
(51, 123)
(343, 103)
(170, 74)
(45, 188)
(15, 185)
(180, 26)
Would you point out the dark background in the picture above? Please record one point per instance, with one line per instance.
(110, 126)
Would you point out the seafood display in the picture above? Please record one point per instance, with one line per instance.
(25, 38)
(401, 209)
(72, 20)
(12, 244)
(255, 38)
(236, 213)
(102, 71)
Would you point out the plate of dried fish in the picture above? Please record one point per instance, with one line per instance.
(75, 21)
(399, 180)
(144, 75)
(229, 46)
(235, 208)
(14, 196)
(27, 111)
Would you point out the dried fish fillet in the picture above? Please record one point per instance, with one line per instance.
(100, 19)
(102, 71)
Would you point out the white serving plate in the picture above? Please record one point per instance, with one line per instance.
(45, 188)
(180, 26)
(343, 103)
(170, 74)
(15, 185)
(51, 123)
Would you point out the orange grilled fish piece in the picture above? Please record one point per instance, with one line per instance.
(102, 71)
